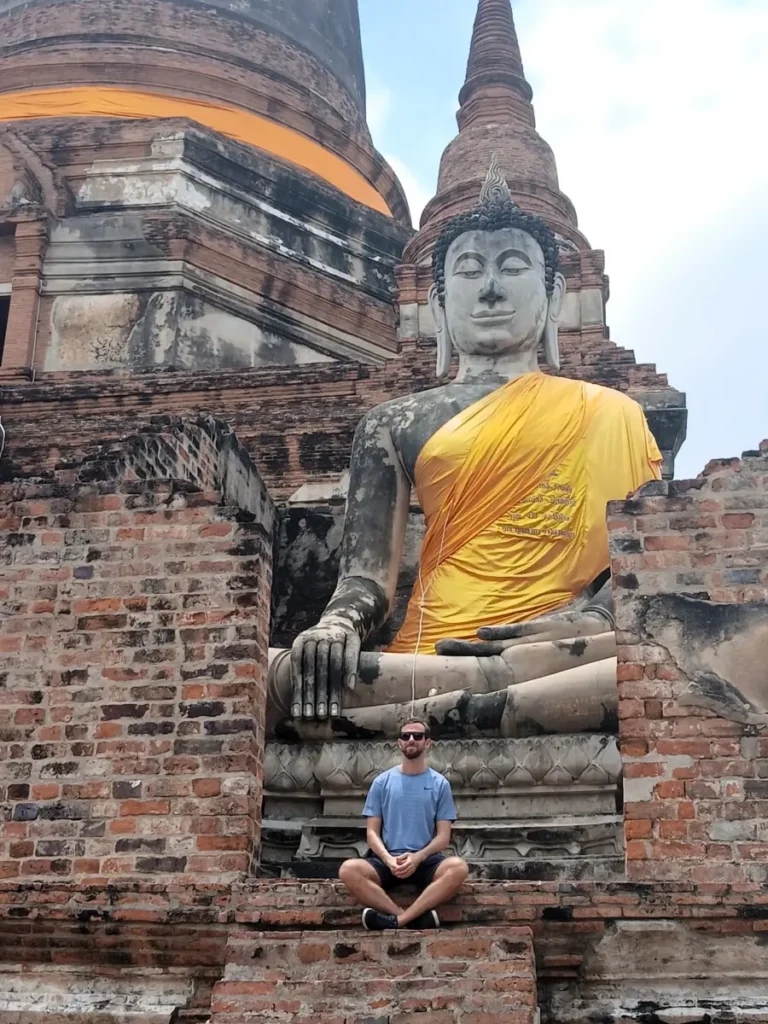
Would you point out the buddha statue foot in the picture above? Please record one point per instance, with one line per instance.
(462, 696)
(384, 678)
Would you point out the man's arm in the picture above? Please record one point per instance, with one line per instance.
(441, 841)
(406, 864)
(376, 843)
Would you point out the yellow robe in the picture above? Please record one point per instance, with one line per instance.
(514, 490)
(239, 124)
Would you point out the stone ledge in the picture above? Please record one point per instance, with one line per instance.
(289, 903)
(323, 902)
(70, 995)
(472, 766)
(129, 901)
(135, 928)
(564, 848)
(48, 1017)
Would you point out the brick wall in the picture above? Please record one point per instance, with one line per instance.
(30, 240)
(481, 976)
(133, 643)
(690, 570)
(298, 422)
(609, 950)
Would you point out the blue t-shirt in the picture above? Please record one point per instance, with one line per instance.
(410, 807)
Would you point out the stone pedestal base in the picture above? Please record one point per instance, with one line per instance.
(542, 808)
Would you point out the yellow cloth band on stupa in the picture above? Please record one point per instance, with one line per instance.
(282, 142)
(514, 492)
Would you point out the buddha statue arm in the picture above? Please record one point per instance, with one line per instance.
(589, 615)
(600, 603)
(324, 659)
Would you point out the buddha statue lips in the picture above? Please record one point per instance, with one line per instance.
(492, 329)
(509, 629)
(493, 316)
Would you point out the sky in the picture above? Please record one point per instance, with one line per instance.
(657, 113)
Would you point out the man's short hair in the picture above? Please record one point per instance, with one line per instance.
(416, 721)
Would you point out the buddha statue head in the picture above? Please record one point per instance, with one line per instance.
(497, 291)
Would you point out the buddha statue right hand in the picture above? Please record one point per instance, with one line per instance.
(495, 640)
(324, 660)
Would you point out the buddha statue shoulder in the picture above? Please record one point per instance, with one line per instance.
(509, 629)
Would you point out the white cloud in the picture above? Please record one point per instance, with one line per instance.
(378, 109)
(649, 106)
(379, 112)
(417, 193)
(655, 111)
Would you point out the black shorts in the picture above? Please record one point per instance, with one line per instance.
(421, 877)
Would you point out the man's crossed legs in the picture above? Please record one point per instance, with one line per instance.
(367, 879)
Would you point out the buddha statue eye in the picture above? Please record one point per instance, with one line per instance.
(512, 269)
(468, 266)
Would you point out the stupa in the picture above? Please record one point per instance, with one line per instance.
(191, 186)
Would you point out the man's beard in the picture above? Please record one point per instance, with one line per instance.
(412, 755)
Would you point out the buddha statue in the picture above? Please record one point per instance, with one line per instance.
(509, 630)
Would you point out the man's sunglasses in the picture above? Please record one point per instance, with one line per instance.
(412, 736)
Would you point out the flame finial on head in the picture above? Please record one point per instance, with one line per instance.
(495, 188)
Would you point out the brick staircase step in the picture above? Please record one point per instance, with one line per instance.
(473, 976)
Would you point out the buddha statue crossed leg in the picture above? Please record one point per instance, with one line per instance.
(509, 630)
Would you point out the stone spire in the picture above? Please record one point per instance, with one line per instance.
(496, 117)
(495, 67)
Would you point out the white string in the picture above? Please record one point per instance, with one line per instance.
(422, 597)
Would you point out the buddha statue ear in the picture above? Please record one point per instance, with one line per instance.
(442, 336)
(554, 308)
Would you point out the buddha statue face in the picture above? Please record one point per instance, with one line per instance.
(495, 297)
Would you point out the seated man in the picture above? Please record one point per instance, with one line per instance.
(409, 811)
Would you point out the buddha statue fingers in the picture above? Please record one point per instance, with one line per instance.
(567, 625)
(323, 660)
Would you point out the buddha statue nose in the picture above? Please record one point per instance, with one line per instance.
(492, 292)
